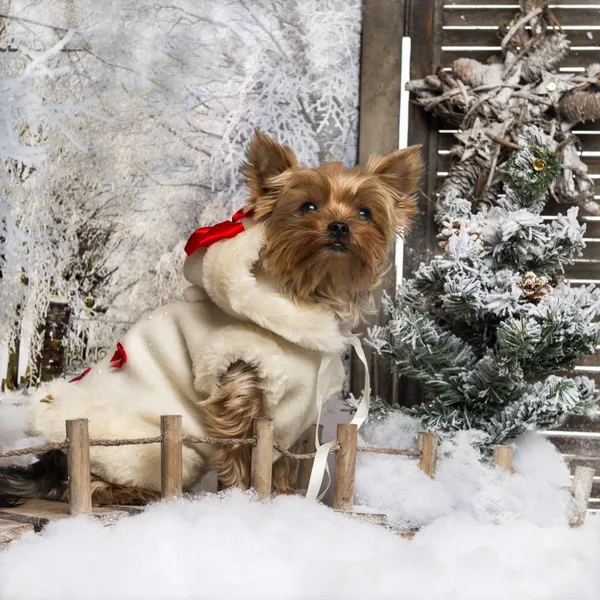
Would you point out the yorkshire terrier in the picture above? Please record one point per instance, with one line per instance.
(267, 304)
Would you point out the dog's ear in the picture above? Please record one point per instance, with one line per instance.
(265, 160)
(402, 169)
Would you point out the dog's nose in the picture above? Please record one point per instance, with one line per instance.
(339, 230)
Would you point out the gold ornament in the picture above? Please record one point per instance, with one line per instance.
(539, 164)
(47, 399)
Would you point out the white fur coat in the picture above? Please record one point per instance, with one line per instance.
(176, 354)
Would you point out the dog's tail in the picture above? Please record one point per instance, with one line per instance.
(46, 478)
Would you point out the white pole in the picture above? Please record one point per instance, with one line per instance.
(403, 139)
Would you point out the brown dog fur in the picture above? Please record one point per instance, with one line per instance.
(299, 255)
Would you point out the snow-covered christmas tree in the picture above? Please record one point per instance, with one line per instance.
(489, 328)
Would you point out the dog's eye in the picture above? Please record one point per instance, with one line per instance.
(365, 213)
(308, 207)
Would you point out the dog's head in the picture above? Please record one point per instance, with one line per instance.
(329, 230)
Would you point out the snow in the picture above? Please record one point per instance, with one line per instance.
(464, 484)
(13, 423)
(232, 547)
(484, 534)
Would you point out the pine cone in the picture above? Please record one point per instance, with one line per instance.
(455, 227)
(593, 71)
(581, 107)
(534, 288)
(462, 180)
(546, 56)
(474, 74)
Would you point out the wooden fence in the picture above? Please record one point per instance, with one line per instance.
(264, 445)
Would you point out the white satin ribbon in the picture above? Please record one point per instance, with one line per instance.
(320, 466)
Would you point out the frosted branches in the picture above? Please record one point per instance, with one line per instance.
(485, 327)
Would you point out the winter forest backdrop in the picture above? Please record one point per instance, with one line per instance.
(122, 130)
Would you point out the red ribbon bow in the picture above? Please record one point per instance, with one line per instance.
(80, 377)
(206, 236)
(119, 357)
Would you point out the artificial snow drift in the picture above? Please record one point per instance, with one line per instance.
(233, 547)
(484, 534)
(537, 492)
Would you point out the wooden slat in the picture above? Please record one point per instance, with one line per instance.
(445, 161)
(593, 375)
(589, 143)
(590, 360)
(491, 37)
(590, 269)
(425, 33)
(39, 512)
(587, 446)
(574, 59)
(592, 223)
(593, 463)
(514, 4)
(494, 16)
(440, 176)
(10, 531)
(581, 423)
(595, 489)
(382, 28)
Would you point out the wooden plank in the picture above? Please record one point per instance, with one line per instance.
(375, 518)
(589, 142)
(381, 53)
(9, 531)
(39, 512)
(583, 269)
(590, 360)
(575, 58)
(441, 175)
(428, 446)
(583, 487)
(445, 161)
(171, 456)
(515, 3)
(595, 486)
(555, 208)
(573, 461)
(464, 35)
(261, 475)
(420, 244)
(78, 458)
(345, 467)
(494, 16)
(589, 447)
(581, 423)
(503, 458)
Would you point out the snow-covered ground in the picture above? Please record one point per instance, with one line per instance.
(484, 535)
(233, 547)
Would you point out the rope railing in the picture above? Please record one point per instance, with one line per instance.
(200, 440)
(263, 446)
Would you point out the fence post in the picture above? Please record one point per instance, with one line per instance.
(305, 466)
(427, 443)
(345, 467)
(261, 475)
(503, 457)
(171, 456)
(78, 465)
(581, 489)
